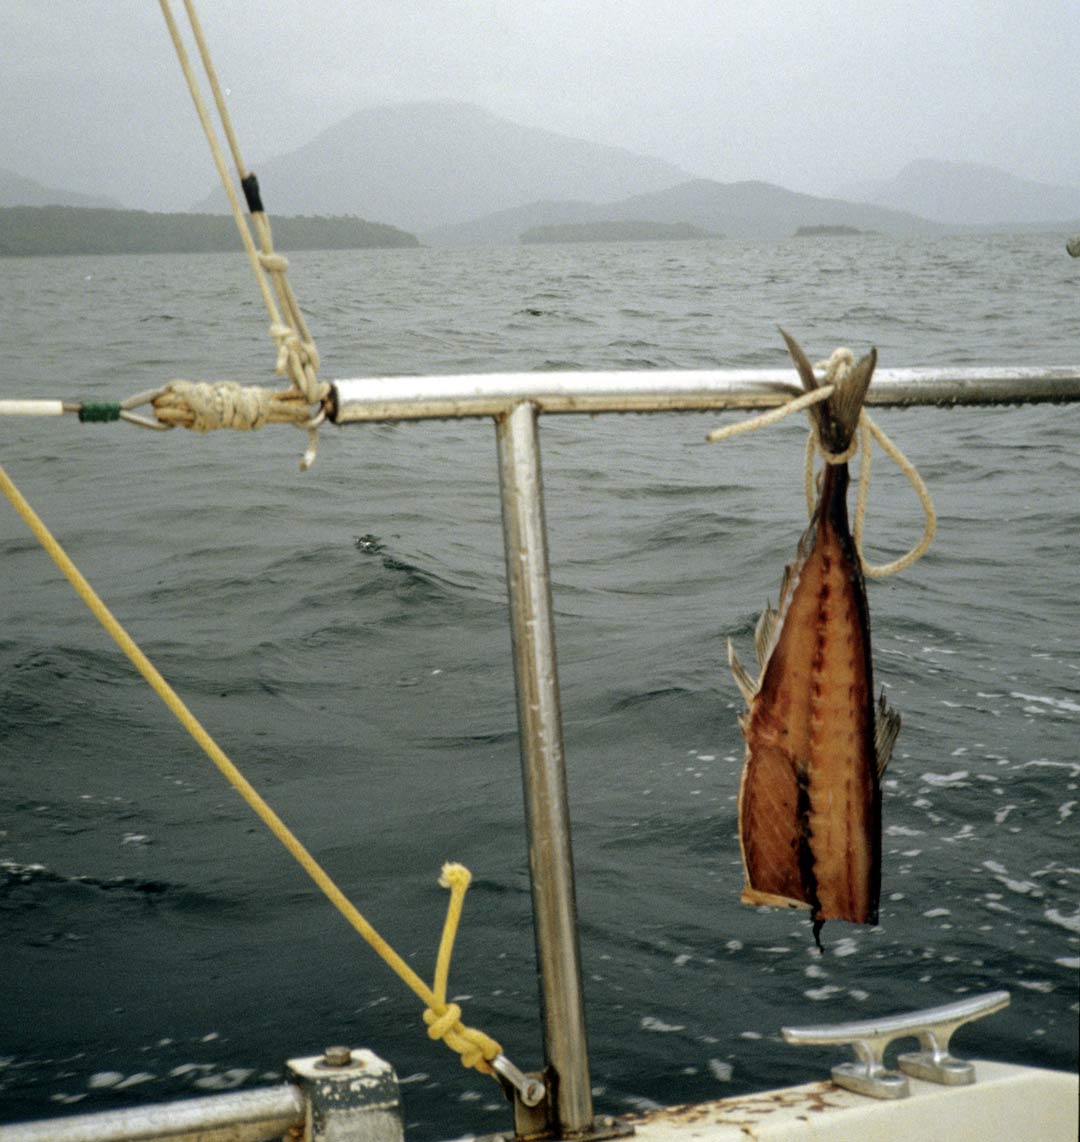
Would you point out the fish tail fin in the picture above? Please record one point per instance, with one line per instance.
(846, 403)
(836, 418)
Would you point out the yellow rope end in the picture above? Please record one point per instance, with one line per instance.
(455, 876)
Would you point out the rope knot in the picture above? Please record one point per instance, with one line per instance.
(274, 263)
(837, 369)
(222, 405)
(475, 1048)
(439, 1026)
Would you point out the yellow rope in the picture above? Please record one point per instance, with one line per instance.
(868, 429)
(443, 1019)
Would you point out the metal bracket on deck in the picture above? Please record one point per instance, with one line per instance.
(534, 1110)
(350, 1096)
(933, 1027)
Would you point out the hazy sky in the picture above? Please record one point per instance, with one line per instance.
(805, 93)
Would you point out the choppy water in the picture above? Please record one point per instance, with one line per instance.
(343, 635)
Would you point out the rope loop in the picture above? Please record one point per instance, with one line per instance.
(836, 368)
(444, 1019)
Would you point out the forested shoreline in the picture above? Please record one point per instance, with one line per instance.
(46, 230)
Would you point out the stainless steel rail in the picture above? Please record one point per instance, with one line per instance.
(516, 401)
(543, 766)
(659, 390)
(244, 1116)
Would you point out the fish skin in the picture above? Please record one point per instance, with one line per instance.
(810, 794)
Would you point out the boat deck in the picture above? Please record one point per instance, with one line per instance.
(1007, 1103)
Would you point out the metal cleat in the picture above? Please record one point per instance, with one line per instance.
(933, 1027)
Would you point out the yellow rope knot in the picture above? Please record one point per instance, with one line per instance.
(475, 1048)
(444, 1019)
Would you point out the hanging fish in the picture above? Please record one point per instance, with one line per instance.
(816, 742)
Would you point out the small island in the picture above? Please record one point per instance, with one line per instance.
(615, 230)
(49, 230)
(830, 232)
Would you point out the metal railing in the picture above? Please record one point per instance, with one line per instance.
(516, 402)
(240, 1116)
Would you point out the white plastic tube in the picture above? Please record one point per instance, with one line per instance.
(31, 408)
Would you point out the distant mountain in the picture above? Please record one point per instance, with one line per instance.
(758, 210)
(423, 165)
(17, 190)
(622, 230)
(968, 194)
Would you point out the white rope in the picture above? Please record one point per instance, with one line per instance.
(224, 405)
(297, 357)
(868, 429)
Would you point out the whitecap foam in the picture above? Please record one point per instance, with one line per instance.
(651, 1023)
(225, 1080)
(825, 992)
(1069, 923)
(942, 779)
(104, 1079)
(1055, 703)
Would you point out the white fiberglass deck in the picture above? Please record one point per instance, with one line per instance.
(1006, 1104)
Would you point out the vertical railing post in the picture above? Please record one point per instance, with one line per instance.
(543, 767)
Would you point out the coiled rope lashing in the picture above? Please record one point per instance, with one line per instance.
(443, 1019)
(835, 369)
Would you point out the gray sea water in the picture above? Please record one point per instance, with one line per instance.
(343, 635)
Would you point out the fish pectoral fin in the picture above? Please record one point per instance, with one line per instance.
(886, 729)
(765, 634)
(747, 685)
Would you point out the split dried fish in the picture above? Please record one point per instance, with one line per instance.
(816, 742)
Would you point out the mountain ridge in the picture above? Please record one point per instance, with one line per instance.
(748, 209)
(19, 190)
(422, 165)
(963, 193)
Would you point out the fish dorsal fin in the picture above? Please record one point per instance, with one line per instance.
(747, 686)
(765, 633)
(886, 728)
(790, 576)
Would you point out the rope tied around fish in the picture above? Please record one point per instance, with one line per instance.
(835, 370)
